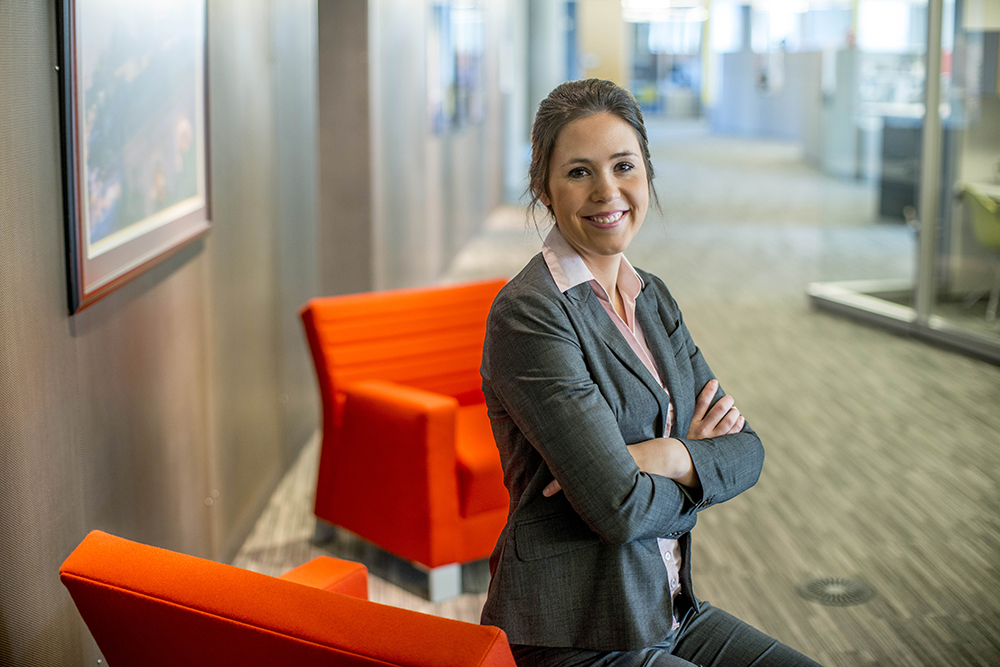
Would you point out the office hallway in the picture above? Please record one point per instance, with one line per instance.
(882, 452)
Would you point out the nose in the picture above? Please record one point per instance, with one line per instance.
(605, 188)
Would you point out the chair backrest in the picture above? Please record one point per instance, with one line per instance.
(985, 216)
(430, 338)
(152, 607)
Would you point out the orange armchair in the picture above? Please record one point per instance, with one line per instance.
(152, 607)
(408, 460)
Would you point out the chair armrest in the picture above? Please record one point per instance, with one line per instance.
(406, 399)
(404, 423)
(396, 458)
(332, 574)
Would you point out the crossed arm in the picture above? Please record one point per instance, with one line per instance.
(668, 457)
(541, 392)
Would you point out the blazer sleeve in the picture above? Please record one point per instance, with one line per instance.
(535, 365)
(726, 465)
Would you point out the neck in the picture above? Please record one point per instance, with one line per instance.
(605, 270)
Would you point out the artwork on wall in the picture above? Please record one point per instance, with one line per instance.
(134, 131)
(455, 77)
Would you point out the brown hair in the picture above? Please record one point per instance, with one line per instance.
(571, 101)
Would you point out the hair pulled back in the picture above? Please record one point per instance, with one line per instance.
(571, 101)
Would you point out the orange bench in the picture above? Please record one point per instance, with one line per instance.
(152, 607)
(408, 460)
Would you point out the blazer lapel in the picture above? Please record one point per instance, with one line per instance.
(654, 328)
(606, 330)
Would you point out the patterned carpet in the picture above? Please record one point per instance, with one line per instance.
(883, 453)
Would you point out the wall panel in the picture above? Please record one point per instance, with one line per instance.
(187, 385)
(143, 394)
(431, 191)
(295, 72)
(41, 494)
(243, 292)
(344, 235)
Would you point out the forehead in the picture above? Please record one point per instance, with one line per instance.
(595, 137)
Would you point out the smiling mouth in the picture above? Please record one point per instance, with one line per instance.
(606, 219)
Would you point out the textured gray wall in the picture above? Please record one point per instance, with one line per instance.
(345, 231)
(189, 380)
(243, 366)
(430, 192)
(295, 79)
(41, 453)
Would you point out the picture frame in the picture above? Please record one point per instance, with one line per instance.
(456, 41)
(134, 125)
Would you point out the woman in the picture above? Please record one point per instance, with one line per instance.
(612, 430)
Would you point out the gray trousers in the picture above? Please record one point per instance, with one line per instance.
(709, 638)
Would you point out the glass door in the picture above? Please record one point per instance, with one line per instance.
(966, 263)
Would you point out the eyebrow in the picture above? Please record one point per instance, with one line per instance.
(584, 160)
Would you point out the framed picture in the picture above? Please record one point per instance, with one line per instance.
(134, 137)
(455, 70)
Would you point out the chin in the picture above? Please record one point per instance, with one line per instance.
(613, 246)
(609, 250)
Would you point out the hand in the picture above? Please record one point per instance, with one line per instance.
(722, 419)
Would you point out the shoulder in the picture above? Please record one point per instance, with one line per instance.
(530, 305)
(531, 289)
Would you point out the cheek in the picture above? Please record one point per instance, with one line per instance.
(640, 196)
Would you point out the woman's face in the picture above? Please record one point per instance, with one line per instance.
(597, 185)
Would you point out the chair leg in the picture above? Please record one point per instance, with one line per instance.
(971, 300)
(991, 308)
(435, 584)
(324, 532)
(444, 582)
(476, 576)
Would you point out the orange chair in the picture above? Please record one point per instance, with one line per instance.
(152, 607)
(408, 460)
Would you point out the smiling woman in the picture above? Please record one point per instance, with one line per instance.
(613, 432)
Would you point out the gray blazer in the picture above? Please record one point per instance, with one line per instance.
(565, 394)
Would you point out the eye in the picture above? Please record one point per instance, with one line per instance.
(579, 172)
(624, 166)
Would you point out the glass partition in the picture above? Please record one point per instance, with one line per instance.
(967, 261)
(939, 172)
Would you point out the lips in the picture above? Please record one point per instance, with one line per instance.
(607, 219)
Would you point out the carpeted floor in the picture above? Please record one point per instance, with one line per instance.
(883, 454)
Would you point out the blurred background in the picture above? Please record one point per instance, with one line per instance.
(817, 228)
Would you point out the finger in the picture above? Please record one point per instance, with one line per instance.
(738, 426)
(551, 489)
(705, 399)
(719, 410)
(727, 423)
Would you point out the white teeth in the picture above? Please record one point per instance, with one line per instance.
(604, 220)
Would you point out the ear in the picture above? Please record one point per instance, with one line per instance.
(545, 199)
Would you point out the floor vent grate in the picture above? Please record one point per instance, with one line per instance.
(836, 592)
